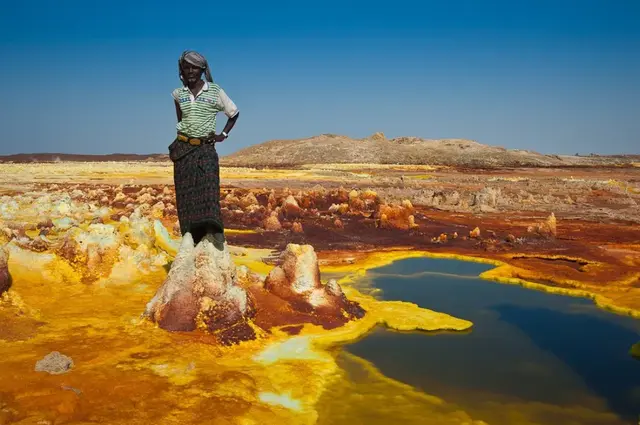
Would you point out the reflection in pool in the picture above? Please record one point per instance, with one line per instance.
(545, 353)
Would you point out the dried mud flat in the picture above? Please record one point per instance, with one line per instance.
(568, 230)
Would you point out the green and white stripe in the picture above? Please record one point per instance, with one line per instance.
(199, 112)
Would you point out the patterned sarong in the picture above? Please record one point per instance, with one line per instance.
(196, 175)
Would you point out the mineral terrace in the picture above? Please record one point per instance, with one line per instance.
(93, 271)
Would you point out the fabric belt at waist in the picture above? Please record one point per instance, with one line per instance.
(194, 141)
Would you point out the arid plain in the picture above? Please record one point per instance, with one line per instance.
(88, 243)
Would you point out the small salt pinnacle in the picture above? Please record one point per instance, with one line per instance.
(54, 363)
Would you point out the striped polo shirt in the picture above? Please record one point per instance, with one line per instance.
(199, 112)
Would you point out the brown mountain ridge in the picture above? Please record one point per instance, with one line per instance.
(375, 149)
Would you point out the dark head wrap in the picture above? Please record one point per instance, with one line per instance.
(195, 59)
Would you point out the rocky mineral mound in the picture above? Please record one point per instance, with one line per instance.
(201, 291)
(297, 281)
(204, 290)
(377, 149)
(5, 279)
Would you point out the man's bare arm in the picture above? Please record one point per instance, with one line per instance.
(178, 110)
(227, 128)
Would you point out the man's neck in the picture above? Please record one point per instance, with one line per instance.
(195, 88)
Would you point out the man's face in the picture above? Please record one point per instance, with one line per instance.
(191, 73)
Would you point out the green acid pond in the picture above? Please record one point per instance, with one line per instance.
(531, 357)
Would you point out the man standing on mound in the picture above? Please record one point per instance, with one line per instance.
(196, 169)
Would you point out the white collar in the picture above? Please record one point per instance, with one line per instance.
(204, 88)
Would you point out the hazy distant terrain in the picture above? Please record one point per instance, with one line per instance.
(376, 149)
(57, 157)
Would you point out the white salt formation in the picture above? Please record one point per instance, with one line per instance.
(297, 280)
(75, 238)
(201, 291)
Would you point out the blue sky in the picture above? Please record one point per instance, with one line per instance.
(551, 76)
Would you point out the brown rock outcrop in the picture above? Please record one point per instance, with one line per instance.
(378, 137)
(290, 207)
(547, 228)
(396, 216)
(272, 223)
(201, 291)
(297, 281)
(487, 199)
(5, 278)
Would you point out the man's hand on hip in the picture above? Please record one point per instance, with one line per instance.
(216, 137)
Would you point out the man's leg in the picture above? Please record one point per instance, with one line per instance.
(197, 233)
(218, 236)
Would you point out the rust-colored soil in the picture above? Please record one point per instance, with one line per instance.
(347, 213)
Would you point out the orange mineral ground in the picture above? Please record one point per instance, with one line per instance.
(87, 245)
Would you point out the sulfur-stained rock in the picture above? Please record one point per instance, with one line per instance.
(271, 200)
(248, 200)
(17, 230)
(369, 195)
(6, 235)
(77, 194)
(45, 224)
(547, 228)
(357, 205)
(290, 207)
(334, 288)
(406, 204)
(145, 198)
(157, 210)
(551, 224)
(170, 210)
(231, 201)
(305, 201)
(5, 278)
(37, 244)
(93, 252)
(297, 227)
(475, 233)
(412, 222)
(487, 199)
(272, 223)
(301, 272)
(395, 216)
(297, 280)
(54, 363)
(201, 291)
(120, 197)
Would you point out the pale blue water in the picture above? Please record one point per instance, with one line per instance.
(525, 345)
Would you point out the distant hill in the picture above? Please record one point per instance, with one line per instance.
(59, 157)
(376, 149)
